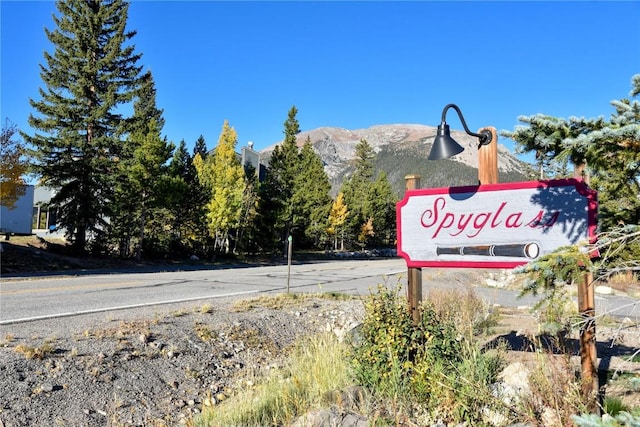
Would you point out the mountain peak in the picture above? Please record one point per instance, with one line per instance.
(336, 148)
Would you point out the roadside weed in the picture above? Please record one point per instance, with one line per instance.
(315, 367)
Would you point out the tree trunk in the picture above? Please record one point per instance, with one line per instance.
(239, 233)
(143, 213)
(216, 240)
(80, 240)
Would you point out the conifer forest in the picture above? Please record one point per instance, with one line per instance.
(122, 189)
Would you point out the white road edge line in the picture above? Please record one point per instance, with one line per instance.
(395, 273)
(122, 307)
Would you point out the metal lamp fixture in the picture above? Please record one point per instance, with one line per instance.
(444, 146)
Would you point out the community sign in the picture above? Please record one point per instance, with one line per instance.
(496, 225)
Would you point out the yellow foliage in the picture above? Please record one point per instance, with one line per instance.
(339, 213)
(223, 175)
(366, 230)
(13, 167)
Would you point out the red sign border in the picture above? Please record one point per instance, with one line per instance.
(581, 187)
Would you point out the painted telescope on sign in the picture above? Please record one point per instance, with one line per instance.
(496, 225)
(527, 250)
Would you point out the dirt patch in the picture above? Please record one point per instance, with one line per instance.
(142, 368)
(26, 255)
(32, 254)
(617, 348)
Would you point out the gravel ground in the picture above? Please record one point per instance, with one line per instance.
(146, 367)
(155, 366)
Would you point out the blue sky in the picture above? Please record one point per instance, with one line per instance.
(353, 64)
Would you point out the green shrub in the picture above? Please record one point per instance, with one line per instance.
(386, 345)
(429, 370)
(613, 406)
(622, 419)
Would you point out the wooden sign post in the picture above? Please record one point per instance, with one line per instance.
(588, 352)
(587, 309)
(488, 159)
(414, 275)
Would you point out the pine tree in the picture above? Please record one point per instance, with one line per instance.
(142, 173)
(91, 72)
(14, 166)
(609, 148)
(200, 196)
(286, 164)
(189, 201)
(370, 199)
(247, 236)
(200, 147)
(275, 220)
(382, 208)
(546, 136)
(181, 164)
(310, 201)
(614, 161)
(224, 175)
(123, 213)
(148, 174)
(356, 189)
(145, 106)
(606, 153)
(364, 159)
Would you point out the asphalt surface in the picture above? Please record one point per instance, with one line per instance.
(29, 298)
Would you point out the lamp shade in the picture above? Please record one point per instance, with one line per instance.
(443, 145)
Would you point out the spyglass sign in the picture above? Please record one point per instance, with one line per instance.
(494, 226)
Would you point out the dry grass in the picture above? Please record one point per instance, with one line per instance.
(555, 392)
(141, 328)
(626, 282)
(205, 309)
(8, 339)
(31, 352)
(316, 367)
(204, 332)
(465, 309)
(179, 313)
(286, 300)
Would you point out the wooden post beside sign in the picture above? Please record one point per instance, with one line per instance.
(588, 354)
(414, 275)
(488, 158)
(587, 309)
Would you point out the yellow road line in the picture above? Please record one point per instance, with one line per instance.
(67, 288)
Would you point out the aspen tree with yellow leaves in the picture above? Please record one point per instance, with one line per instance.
(14, 166)
(223, 176)
(337, 218)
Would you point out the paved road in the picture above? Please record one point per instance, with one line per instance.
(30, 298)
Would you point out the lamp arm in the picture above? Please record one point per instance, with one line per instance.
(484, 137)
